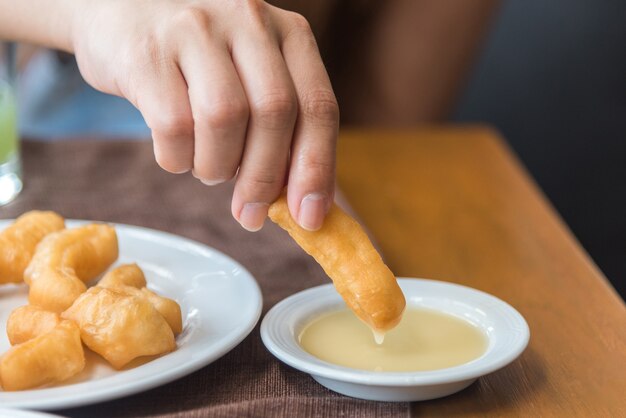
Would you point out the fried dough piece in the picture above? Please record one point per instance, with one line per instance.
(168, 308)
(51, 357)
(65, 260)
(348, 257)
(130, 279)
(120, 326)
(28, 322)
(18, 242)
(124, 275)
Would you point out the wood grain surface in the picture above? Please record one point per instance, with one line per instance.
(454, 204)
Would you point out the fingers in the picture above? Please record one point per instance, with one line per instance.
(219, 107)
(273, 109)
(161, 96)
(228, 103)
(312, 170)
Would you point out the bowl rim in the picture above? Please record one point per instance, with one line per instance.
(279, 336)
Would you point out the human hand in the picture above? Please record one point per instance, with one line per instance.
(227, 88)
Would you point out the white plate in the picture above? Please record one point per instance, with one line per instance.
(504, 327)
(220, 301)
(16, 413)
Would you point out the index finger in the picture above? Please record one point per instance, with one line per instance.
(312, 169)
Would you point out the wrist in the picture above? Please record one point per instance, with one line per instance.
(62, 27)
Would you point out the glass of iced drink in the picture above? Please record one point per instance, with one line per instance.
(10, 168)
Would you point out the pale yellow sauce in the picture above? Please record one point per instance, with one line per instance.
(424, 340)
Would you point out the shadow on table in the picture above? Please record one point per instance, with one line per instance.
(493, 394)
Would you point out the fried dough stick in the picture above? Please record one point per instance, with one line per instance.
(130, 278)
(51, 357)
(120, 326)
(19, 240)
(65, 260)
(28, 322)
(348, 257)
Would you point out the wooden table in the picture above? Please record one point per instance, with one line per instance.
(455, 204)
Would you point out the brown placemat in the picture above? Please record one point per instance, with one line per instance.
(120, 182)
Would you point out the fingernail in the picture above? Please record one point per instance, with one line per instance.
(212, 182)
(208, 182)
(253, 216)
(312, 211)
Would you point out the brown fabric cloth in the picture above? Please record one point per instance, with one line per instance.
(120, 182)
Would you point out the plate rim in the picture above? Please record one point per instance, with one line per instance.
(83, 398)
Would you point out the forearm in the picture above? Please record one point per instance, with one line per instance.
(42, 22)
(415, 61)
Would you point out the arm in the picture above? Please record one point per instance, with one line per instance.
(410, 61)
(42, 22)
(227, 88)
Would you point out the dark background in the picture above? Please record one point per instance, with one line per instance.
(552, 79)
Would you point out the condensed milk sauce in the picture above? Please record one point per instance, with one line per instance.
(424, 340)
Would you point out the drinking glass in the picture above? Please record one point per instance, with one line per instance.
(10, 167)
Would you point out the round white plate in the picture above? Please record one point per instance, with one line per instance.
(17, 413)
(220, 301)
(505, 328)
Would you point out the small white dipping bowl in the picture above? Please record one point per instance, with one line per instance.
(504, 327)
